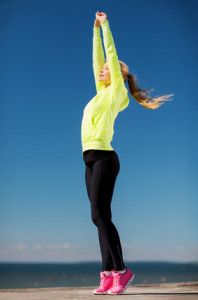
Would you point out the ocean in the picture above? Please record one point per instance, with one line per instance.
(36, 275)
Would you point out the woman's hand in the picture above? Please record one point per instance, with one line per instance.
(101, 16)
(97, 23)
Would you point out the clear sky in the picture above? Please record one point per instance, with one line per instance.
(46, 79)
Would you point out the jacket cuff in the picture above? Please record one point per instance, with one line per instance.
(96, 28)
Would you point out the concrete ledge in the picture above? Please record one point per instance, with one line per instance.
(170, 291)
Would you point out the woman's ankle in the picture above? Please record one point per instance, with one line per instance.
(107, 273)
(121, 271)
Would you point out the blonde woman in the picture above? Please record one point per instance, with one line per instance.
(101, 160)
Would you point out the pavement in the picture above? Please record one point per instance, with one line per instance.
(163, 291)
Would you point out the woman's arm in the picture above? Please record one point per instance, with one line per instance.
(98, 54)
(111, 53)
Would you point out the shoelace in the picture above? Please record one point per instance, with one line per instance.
(117, 280)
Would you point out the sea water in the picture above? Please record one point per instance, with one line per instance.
(35, 275)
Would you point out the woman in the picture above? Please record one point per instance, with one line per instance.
(101, 160)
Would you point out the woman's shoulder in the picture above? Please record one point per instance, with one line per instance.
(119, 87)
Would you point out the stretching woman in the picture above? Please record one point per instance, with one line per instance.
(101, 160)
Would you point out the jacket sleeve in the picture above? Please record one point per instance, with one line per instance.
(112, 57)
(97, 56)
(120, 92)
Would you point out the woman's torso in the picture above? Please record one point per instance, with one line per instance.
(97, 127)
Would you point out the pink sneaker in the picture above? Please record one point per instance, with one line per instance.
(106, 282)
(121, 281)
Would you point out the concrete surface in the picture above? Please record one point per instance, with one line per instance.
(170, 291)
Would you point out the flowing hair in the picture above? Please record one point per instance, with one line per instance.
(142, 96)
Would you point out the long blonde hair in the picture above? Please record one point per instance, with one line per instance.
(140, 95)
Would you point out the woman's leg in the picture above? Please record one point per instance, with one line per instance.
(106, 256)
(100, 180)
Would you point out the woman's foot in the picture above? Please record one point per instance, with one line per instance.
(106, 282)
(121, 281)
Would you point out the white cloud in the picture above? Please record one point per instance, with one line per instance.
(59, 246)
(179, 252)
(37, 247)
(21, 247)
(62, 246)
(70, 252)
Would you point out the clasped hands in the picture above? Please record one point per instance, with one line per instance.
(100, 17)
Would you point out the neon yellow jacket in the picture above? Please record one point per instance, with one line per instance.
(97, 127)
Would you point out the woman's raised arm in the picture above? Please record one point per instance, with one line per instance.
(111, 52)
(98, 58)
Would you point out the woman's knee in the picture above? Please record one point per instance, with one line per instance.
(99, 219)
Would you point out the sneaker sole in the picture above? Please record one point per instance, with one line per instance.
(129, 282)
(99, 293)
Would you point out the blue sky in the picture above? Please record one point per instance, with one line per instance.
(46, 79)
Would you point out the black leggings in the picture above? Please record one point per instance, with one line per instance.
(100, 177)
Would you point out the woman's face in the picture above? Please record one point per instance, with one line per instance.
(104, 74)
